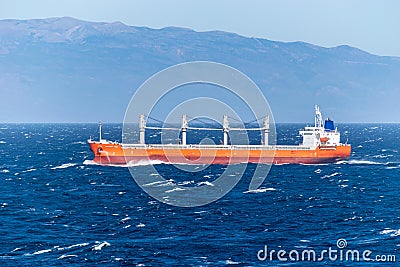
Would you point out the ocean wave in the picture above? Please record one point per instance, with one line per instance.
(391, 232)
(186, 182)
(359, 162)
(231, 262)
(127, 165)
(330, 175)
(30, 170)
(205, 183)
(156, 182)
(314, 164)
(79, 143)
(167, 183)
(66, 256)
(38, 252)
(392, 167)
(259, 190)
(100, 245)
(125, 219)
(64, 166)
(74, 246)
(175, 189)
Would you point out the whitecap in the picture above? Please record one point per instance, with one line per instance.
(125, 219)
(231, 262)
(200, 212)
(368, 162)
(100, 245)
(5, 171)
(64, 166)
(382, 156)
(89, 162)
(79, 143)
(175, 189)
(392, 167)
(3, 142)
(330, 175)
(41, 251)
(186, 182)
(30, 170)
(127, 165)
(74, 246)
(280, 164)
(154, 183)
(140, 225)
(391, 232)
(168, 183)
(318, 171)
(205, 183)
(66, 256)
(259, 190)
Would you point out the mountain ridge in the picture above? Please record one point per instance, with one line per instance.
(58, 69)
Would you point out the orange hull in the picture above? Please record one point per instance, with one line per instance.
(115, 153)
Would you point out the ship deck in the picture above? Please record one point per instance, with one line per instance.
(216, 147)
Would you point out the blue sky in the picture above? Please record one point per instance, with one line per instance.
(369, 25)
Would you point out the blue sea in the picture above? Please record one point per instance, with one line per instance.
(57, 208)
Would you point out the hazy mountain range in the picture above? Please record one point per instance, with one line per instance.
(68, 70)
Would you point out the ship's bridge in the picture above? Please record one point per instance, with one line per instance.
(321, 134)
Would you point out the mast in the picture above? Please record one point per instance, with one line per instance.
(184, 129)
(100, 126)
(318, 118)
(142, 126)
(225, 126)
(266, 130)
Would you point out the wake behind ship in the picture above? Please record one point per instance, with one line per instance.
(321, 144)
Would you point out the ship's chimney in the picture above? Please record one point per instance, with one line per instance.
(184, 129)
(266, 130)
(225, 126)
(142, 126)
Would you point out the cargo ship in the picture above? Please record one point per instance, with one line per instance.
(320, 144)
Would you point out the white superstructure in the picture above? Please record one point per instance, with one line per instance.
(320, 134)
